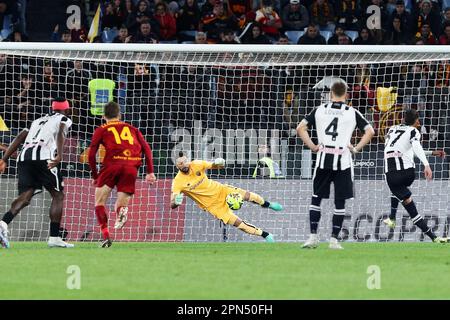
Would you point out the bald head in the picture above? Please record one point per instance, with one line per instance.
(182, 163)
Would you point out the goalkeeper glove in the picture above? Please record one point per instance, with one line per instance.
(178, 199)
(219, 162)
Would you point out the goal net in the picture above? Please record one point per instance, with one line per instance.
(241, 103)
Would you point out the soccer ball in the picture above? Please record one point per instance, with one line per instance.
(234, 201)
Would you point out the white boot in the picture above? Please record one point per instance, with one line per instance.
(334, 244)
(312, 242)
(58, 242)
(4, 242)
(122, 218)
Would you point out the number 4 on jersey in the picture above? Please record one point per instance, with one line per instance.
(331, 130)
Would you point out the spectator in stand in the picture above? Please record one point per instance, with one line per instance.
(404, 16)
(242, 10)
(312, 36)
(47, 85)
(110, 19)
(188, 17)
(344, 39)
(66, 35)
(123, 36)
(76, 88)
(396, 35)
(167, 23)
(294, 16)
(269, 20)
(364, 38)
(228, 37)
(427, 16)
(208, 7)
(426, 35)
(348, 14)
(9, 8)
(339, 30)
(256, 36)
(216, 22)
(322, 15)
(17, 36)
(24, 108)
(140, 15)
(283, 39)
(126, 10)
(446, 16)
(445, 38)
(145, 34)
(200, 38)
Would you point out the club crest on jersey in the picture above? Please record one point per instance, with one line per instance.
(127, 153)
(198, 173)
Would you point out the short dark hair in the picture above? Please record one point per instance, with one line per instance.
(410, 116)
(111, 110)
(339, 88)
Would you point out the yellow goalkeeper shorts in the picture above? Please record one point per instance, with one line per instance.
(220, 209)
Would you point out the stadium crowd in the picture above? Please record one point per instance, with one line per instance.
(254, 22)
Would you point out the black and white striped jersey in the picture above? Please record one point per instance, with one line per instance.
(401, 143)
(40, 143)
(335, 123)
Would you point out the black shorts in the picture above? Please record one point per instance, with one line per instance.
(399, 181)
(342, 180)
(35, 175)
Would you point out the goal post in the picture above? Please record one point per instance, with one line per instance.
(238, 102)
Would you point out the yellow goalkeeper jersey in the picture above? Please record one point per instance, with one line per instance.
(196, 185)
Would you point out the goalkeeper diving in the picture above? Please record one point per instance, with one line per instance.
(210, 195)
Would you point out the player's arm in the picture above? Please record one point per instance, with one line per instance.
(367, 128)
(150, 177)
(437, 153)
(60, 138)
(420, 153)
(302, 131)
(93, 148)
(12, 148)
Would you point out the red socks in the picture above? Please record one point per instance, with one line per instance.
(102, 219)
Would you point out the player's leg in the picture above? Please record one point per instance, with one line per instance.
(125, 189)
(343, 189)
(246, 227)
(101, 197)
(399, 182)
(52, 180)
(390, 222)
(56, 210)
(256, 198)
(22, 201)
(321, 190)
(121, 209)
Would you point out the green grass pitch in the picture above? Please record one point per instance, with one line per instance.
(226, 271)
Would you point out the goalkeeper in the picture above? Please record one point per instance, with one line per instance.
(210, 195)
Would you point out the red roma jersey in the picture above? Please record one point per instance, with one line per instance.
(124, 145)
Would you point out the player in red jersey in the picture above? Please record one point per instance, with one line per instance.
(124, 145)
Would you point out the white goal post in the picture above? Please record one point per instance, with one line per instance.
(238, 102)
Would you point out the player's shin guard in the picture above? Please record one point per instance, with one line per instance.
(314, 214)
(338, 217)
(102, 218)
(394, 207)
(418, 220)
(250, 229)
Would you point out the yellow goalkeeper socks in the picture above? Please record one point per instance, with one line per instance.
(250, 229)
